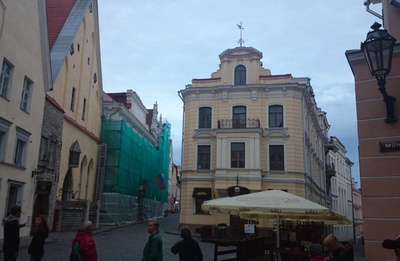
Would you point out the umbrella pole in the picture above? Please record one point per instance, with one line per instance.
(278, 231)
(278, 234)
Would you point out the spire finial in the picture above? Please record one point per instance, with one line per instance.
(241, 28)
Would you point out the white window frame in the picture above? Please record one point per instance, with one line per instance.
(18, 199)
(198, 116)
(284, 156)
(4, 128)
(5, 78)
(245, 153)
(197, 156)
(26, 95)
(21, 147)
(283, 114)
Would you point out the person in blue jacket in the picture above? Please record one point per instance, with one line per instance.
(188, 248)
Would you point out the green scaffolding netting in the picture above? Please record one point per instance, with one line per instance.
(136, 172)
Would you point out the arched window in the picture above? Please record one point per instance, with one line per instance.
(240, 75)
(205, 114)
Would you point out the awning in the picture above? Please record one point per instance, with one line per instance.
(202, 193)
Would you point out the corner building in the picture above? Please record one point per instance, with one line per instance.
(246, 130)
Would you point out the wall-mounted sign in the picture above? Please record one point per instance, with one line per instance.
(249, 228)
(389, 146)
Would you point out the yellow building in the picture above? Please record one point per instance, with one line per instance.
(246, 130)
(23, 85)
(77, 88)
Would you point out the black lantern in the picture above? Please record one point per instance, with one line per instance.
(378, 50)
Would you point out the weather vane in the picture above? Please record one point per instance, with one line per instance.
(241, 28)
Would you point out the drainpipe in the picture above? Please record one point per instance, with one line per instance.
(367, 3)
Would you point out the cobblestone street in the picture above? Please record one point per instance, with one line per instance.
(124, 243)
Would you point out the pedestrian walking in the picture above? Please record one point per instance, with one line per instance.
(39, 234)
(316, 253)
(153, 249)
(336, 249)
(188, 248)
(393, 244)
(11, 234)
(84, 243)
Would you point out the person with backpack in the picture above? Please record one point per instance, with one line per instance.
(188, 248)
(40, 233)
(83, 246)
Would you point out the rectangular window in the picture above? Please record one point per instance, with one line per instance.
(239, 117)
(205, 115)
(203, 156)
(4, 127)
(21, 144)
(199, 202)
(5, 79)
(276, 116)
(43, 152)
(73, 99)
(14, 197)
(84, 109)
(276, 157)
(237, 155)
(19, 152)
(2, 145)
(26, 95)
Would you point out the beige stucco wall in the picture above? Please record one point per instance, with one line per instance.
(21, 45)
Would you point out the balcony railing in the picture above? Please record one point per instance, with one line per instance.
(236, 124)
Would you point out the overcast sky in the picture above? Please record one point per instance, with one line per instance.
(156, 47)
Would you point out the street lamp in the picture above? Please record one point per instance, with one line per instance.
(237, 188)
(378, 50)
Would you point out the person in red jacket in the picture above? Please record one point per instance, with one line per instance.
(316, 253)
(87, 247)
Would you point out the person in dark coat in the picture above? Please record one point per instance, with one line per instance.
(188, 248)
(393, 244)
(40, 233)
(336, 249)
(153, 249)
(87, 247)
(11, 234)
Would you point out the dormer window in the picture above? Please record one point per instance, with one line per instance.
(240, 75)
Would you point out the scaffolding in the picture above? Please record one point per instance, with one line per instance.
(136, 174)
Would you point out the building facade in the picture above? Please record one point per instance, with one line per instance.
(246, 130)
(138, 160)
(379, 167)
(73, 38)
(341, 187)
(357, 214)
(25, 78)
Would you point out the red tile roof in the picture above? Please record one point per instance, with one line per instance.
(57, 13)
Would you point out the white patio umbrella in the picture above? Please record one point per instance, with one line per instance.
(274, 205)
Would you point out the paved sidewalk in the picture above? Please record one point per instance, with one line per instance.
(60, 236)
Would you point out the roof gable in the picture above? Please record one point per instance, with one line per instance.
(57, 13)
